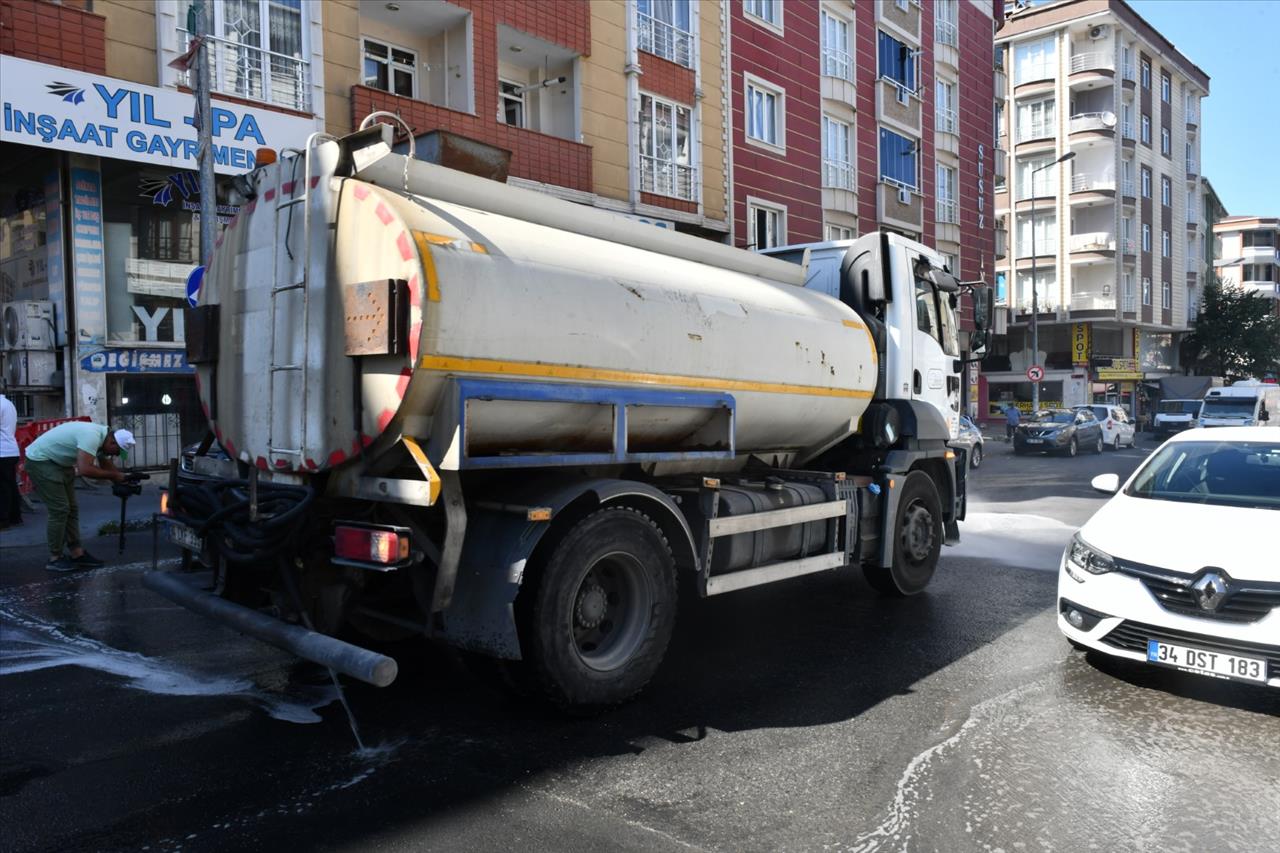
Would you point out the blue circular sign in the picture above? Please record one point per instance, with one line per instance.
(194, 282)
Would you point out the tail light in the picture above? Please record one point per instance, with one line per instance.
(164, 502)
(384, 546)
(1109, 423)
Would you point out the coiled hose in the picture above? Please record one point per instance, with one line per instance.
(219, 511)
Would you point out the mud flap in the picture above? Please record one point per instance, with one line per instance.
(952, 530)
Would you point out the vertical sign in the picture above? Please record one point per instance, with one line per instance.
(1080, 345)
(87, 262)
(55, 274)
(974, 368)
(1137, 347)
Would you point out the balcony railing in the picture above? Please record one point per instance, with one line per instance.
(256, 73)
(1193, 214)
(1193, 311)
(1092, 60)
(1092, 302)
(1127, 188)
(1091, 183)
(1037, 130)
(837, 63)
(944, 32)
(1044, 246)
(946, 120)
(947, 212)
(662, 177)
(1129, 72)
(1127, 131)
(662, 39)
(1129, 303)
(1193, 115)
(837, 174)
(1191, 166)
(1026, 72)
(1096, 241)
(1042, 188)
(1092, 121)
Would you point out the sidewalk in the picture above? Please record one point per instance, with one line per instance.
(97, 507)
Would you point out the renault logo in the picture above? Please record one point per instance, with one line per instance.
(1209, 591)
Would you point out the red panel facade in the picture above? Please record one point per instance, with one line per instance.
(976, 114)
(54, 34)
(791, 62)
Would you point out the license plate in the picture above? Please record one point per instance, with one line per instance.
(1202, 662)
(1035, 441)
(180, 534)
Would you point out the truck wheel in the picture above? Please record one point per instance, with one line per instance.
(975, 458)
(596, 620)
(917, 540)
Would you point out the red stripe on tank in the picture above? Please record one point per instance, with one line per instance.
(402, 243)
(382, 213)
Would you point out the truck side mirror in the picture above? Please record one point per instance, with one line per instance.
(983, 308)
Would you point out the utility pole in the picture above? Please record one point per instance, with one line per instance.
(198, 24)
(1035, 300)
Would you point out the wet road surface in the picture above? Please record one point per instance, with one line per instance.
(804, 716)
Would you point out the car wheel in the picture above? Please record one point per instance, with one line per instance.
(1097, 448)
(1074, 447)
(975, 458)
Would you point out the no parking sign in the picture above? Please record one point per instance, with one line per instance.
(1035, 373)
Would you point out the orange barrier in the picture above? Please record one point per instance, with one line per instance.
(26, 434)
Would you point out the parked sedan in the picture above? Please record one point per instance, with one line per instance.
(970, 439)
(1059, 431)
(1118, 429)
(1179, 568)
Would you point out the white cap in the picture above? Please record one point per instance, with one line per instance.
(124, 438)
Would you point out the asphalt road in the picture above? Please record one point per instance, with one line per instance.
(809, 715)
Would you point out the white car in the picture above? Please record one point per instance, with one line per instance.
(1181, 568)
(1118, 429)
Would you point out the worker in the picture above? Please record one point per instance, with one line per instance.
(53, 462)
(10, 500)
(1011, 418)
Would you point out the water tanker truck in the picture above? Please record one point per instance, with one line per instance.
(516, 425)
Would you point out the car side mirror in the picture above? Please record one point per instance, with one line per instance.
(1108, 484)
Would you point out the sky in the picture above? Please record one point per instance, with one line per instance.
(1237, 43)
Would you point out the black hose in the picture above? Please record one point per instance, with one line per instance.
(220, 511)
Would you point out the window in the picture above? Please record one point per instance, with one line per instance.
(1046, 289)
(1046, 180)
(1166, 296)
(897, 62)
(837, 165)
(839, 232)
(999, 113)
(511, 105)
(1036, 120)
(1043, 230)
(1146, 130)
(1146, 182)
(946, 106)
(261, 50)
(664, 29)
(1256, 272)
(1259, 239)
(945, 16)
(1034, 60)
(1146, 291)
(1126, 228)
(1126, 121)
(1166, 192)
(767, 225)
(898, 159)
(391, 69)
(766, 11)
(1146, 237)
(1165, 149)
(764, 113)
(836, 60)
(666, 165)
(951, 262)
(1146, 75)
(1166, 244)
(1127, 284)
(935, 317)
(947, 211)
(1166, 87)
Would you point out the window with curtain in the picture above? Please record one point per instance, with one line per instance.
(1045, 180)
(836, 59)
(837, 165)
(767, 226)
(839, 232)
(1166, 192)
(1034, 60)
(1046, 289)
(946, 106)
(1146, 291)
(945, 18)
(1045, 229)
(259, 50)
(1166, 295)
(763, 113)
(947, 208)
(1037, 119)
(666, 167)
(1146, 237)
(897, 62)
(899, 157)
(664, 28)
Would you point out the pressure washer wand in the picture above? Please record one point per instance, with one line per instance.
(124, 490)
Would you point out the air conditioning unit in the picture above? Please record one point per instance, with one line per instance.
(1098, 32)
(27, 369)
(904, 195)
(27, 325)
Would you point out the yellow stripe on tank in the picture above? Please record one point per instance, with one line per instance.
(424, 241)
(455, 364)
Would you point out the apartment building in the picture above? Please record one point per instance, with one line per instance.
(1250, 254)
(1101, 114)
(1203, 250)
(98, 196)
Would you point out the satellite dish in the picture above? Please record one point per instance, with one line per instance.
(1109, 119)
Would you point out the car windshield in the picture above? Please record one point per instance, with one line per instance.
(1212, 472)
(1228, 407)
(1179, 407)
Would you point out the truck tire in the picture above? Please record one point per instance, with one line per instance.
(596, 617)
(917, 540)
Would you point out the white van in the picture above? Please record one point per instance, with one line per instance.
(1244, 403)
(1175, 415)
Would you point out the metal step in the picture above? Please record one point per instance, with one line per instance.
(276, 367)
(719, 584)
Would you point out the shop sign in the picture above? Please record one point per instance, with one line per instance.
(53, 107)
(1117, 369)
(137, 361)
(87, 255)
(1080, 344)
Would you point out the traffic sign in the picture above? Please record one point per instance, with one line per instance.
(1035, 373)
(195, 280)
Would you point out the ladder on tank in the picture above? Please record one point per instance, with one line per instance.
(296, 197)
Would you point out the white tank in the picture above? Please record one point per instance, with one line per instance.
(498, 297)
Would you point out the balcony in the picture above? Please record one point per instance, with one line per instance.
(1092, 70)
(1128, 189)
(1000, 166)
(1002, 242)
(1035, 137)
(1193, 168)
(1096, 241)
(1089, 129)
(946, 43)
(1030, 78)
(1093, 302)
(1129, 75)
(1045, 247)
(1001, 81)
(1192, 115)
(664, 40)
(255, 73)
(947, 212)
(946, 120)
(1260, 255)
(1193, 310)
(837, 63)
(1129, 246)
(1128, 136)
(1129, 303)
(1089, 183)
(837, 174)
(662, 177)
(1193, 217)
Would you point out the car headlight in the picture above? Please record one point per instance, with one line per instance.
(1083, 556)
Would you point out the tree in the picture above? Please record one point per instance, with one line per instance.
(1237, 335)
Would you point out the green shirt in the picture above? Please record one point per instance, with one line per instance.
(62, 444)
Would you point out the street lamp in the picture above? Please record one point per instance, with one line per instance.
(1035, 301)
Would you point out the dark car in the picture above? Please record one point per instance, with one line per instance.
(1059, 431)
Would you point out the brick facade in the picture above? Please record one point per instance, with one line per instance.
(55, 34)
(666, 79)
(976, 115)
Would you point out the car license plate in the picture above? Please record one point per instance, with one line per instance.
(180, 534)
(1202, 662)
(1035, 441)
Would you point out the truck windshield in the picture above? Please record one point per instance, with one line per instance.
(1228, 407)
(1179, 407)
(1212, 472)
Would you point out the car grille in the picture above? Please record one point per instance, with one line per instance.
(1133, 637)
(1247, 601)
